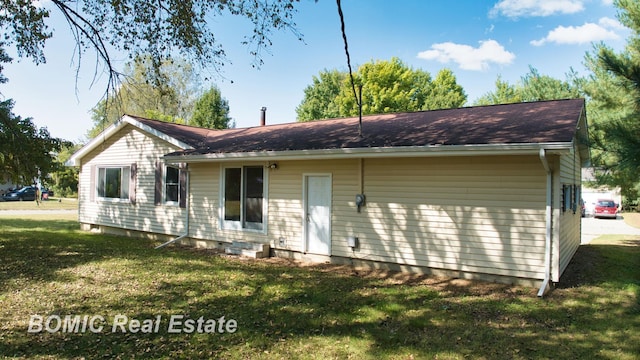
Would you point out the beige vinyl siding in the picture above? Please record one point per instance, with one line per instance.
(128, 146)
(570, 222)
(286, 194)
(204, 200)
(205, 204)
(466, 214)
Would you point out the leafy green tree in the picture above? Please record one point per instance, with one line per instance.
(166, 96)
(159, 28)
(504, 93)
(387, 86)
(65, 178)
(445, 92)
(26, 152)
(320, 97)
(211, 111)
(537, 87)
(532, 87)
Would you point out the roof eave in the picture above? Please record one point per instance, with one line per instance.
(377, 152)
(75, 159)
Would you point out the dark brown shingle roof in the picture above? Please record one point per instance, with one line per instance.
(191, 135)
(519, 123)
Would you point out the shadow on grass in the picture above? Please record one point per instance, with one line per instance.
(295, 312)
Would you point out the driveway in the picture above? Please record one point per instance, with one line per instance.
(592, 228)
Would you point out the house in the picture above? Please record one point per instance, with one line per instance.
(487, 192)
(591, 194)
(6, 184)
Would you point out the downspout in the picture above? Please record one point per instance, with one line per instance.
(547, 245)
(186, 233)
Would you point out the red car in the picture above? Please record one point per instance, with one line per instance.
(605, 208)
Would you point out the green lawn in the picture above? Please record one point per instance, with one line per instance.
(51, 204)
(284, 311)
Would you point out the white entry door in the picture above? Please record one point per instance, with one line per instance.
(317, 222)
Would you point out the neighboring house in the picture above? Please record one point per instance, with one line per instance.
(591, 195)
(488, 192)
(6, 184)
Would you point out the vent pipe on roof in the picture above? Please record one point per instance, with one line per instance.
(263, 116)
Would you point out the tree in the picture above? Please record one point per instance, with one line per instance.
(532, 87)
(320, 97)
(211, 111)
(158, 28)
(387, 86)
(65, 178)
(26, 152)
(445, 92)
(537, 87)
(166, 96)
(614, 107)
(504, 93)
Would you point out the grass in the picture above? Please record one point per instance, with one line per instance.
(51, 204)
(286, 311)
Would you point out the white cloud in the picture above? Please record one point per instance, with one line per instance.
(468, 57)
(607, 2)
(520, 8)
(584, 34)
(610, 23)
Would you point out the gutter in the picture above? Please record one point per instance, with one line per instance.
(186, 234)
(377, 152)
(547, 246)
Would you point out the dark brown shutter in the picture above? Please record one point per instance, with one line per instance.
(183, 186)
(92, 184)
(132, 183)
(157, 198)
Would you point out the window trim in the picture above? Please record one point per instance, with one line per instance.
(125, 191)
(240, 225)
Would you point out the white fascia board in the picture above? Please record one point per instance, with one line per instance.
(407, 151)
(74, 160)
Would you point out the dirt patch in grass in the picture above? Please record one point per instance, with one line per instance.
(450, 286)
(582, 267)
(632, 219)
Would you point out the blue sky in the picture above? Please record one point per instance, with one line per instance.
(478, 40)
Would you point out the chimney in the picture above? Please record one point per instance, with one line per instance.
(263, 116)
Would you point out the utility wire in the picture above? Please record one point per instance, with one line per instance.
(353, 84)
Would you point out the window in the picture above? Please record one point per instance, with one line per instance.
(172, 185)
(244, 197)
(113, 182)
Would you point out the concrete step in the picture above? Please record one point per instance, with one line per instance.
(252, 250)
